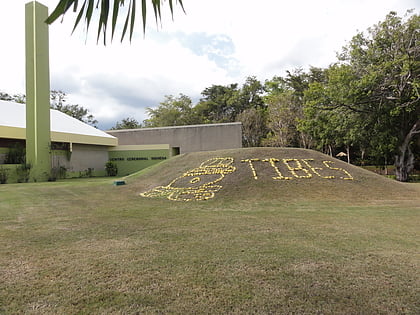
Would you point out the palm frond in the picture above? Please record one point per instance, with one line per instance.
(87, 10)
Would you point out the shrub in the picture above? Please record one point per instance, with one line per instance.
(57, 173)
(23, 171)
(111, 168)
(4, 175)
(86, 173)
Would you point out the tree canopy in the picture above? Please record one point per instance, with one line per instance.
(375, 86)
(173, 111)
(127, 123)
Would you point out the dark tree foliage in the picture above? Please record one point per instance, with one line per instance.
(371, 97)
(127, 123)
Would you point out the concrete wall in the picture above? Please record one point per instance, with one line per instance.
(82, 158)
(88, 156)
(132, 158)
(192, 138)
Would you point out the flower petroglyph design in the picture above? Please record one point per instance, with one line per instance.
(203, 182)
(200, 183)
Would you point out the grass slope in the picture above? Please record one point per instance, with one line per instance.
(301, 246)
(242, 184)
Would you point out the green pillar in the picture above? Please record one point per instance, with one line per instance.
(37, 92)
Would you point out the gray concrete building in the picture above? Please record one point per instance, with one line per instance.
(77, 150)
(185, 139)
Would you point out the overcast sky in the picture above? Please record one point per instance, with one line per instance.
(215, 42)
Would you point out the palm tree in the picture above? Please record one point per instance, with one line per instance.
(104, 6)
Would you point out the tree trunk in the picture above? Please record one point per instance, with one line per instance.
(404, 161)
(329, 150)
(404, 164)
(348, 154)
(362, 162)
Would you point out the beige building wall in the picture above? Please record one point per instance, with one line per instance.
(82, 158)
(192, 138)
(88, 156)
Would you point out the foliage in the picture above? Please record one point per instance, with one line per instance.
(18, 98)
(333, 127)
(219, 103)
(58, 98)
(57, 172)
(127, 123)
(173, 111)
(4, 175)
(111, 168)
(87, 172)
(371, 97)
(105, 8)
(285, 100)
(254, 127)
(23, 171)
(250, 95)
(5, 97)
(282, 120)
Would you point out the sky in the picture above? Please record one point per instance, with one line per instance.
(214, 42)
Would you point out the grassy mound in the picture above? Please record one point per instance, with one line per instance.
(263, 174)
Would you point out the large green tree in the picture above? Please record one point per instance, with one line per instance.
(223, 103)
(219, 103)
(254, 126)
(109, 11)
(334, 127)
(376, 86)
(284, 99)
(173, 111)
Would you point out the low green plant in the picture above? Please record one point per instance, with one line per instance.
(23, 170)
(111, 168)
(58, 172)
(86, 173)
(4, 175)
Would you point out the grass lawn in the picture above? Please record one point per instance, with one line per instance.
(88, 247)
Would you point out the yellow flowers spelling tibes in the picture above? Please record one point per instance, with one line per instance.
(298, 168)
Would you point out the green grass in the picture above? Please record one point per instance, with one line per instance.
(257, 247)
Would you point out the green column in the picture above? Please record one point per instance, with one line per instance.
(37, 92)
